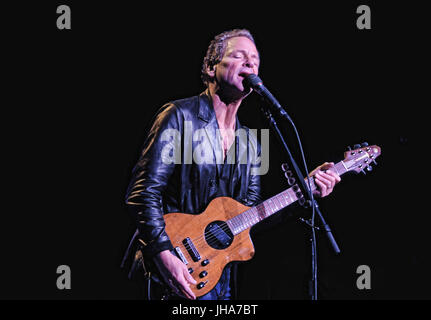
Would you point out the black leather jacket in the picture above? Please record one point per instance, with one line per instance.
(159, 187)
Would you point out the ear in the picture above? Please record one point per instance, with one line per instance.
(211, 71)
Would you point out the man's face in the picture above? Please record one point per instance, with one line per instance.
(240, 58)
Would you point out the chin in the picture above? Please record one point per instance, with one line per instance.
(241, 88)
(244, 90)
(236, 90)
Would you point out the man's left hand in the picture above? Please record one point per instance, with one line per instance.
(325, 179)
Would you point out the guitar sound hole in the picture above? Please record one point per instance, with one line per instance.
(218, 235)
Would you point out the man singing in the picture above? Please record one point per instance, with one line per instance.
(160, 185)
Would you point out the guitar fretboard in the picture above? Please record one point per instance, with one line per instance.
(254, 215)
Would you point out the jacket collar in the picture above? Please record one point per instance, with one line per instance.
(206, 110)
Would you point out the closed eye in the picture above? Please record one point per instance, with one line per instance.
(238, 55)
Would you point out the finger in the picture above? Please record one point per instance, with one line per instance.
(184, 285)
(322, 186)
(328, 181)
(328, 177)
(319, 168)
(317, 193)
(326, 166)
(334, 175)
(185, 288)
(324, 178)
(189, 277)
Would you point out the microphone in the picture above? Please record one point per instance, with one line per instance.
(254, 82)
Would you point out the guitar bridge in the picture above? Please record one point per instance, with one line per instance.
(191, 249)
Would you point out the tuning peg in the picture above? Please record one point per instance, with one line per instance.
(369, 168)
(356, 146)
(363, 172)
(364, 144)
(349, 148)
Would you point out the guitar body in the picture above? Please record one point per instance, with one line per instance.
(201, 230)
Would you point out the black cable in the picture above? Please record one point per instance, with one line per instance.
(149, 287)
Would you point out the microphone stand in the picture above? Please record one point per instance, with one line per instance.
(306, 191)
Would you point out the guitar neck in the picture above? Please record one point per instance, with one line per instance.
(278, 202)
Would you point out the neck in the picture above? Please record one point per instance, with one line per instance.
(225, 106)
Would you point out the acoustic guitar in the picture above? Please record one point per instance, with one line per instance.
(207, 242)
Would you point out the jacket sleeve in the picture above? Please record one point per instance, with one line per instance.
(253, 192)
(150, 178)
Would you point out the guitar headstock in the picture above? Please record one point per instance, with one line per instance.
(361, 157)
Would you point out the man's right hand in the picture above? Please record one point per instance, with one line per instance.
(175, 273)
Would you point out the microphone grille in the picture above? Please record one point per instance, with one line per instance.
(253, 80)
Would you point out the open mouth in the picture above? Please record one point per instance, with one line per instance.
(242, 75)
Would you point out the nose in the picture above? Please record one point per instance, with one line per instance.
(249, 63)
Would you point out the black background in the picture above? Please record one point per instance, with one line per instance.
(77, 103)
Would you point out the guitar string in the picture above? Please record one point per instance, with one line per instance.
(211, 237)
(244, 222)
(247, 220)
(289, 197)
